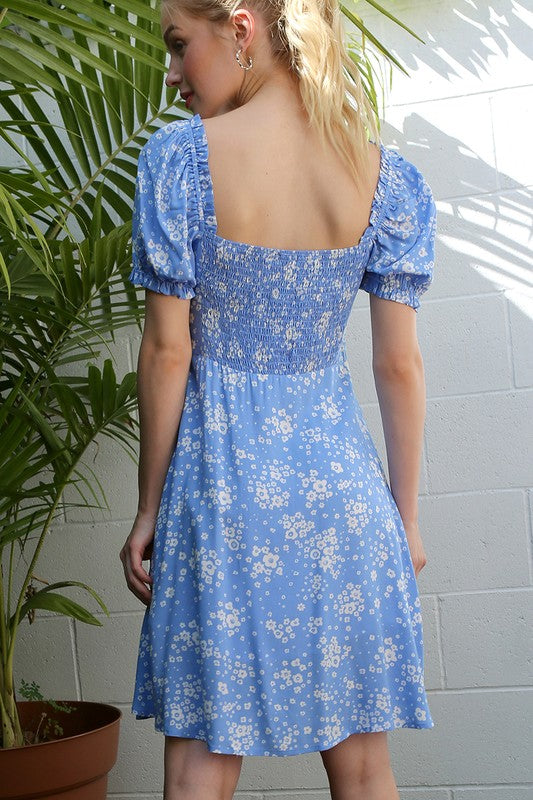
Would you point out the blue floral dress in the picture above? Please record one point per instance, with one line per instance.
(285, 613)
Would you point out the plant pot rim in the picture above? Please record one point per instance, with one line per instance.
(79, 703)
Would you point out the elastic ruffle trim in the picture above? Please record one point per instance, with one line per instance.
(162, 285)
(403, 288)
(203, 177)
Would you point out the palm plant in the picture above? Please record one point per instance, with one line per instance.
(65, 252)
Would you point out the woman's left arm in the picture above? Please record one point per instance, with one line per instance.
(400, 384)
(162, 374)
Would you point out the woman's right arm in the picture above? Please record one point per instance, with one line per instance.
(162, 374)
(400, 385)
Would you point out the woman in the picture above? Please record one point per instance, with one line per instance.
(283, 614)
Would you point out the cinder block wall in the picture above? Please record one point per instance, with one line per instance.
(464, 118)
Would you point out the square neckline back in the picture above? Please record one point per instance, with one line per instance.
(377, 205)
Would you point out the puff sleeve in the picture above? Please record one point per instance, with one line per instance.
(401, 260)
(165, 222)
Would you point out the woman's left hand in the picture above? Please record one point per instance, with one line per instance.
(416, 547)
(138, 547)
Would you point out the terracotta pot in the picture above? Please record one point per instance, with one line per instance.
(73, 767)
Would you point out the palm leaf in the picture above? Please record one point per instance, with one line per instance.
(52, 601)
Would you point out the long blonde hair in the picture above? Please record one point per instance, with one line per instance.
(309, 38)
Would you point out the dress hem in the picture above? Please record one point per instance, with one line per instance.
(410, 724)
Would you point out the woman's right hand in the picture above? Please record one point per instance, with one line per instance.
(138, 547)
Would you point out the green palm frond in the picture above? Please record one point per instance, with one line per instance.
(104, 76)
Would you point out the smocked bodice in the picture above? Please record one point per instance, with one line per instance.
(267, 309)
(272, 311)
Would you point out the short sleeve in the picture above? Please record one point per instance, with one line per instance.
(165, 222)
(402, 257)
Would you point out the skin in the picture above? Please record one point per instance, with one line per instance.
(332, 212)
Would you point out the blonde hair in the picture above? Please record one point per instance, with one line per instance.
(308, 37)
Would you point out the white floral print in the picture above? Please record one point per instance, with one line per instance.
(285, 613)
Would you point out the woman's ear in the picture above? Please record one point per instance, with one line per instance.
(243, 27)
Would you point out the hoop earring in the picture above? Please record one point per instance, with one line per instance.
(239, 62)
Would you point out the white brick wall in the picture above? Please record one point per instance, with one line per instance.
(464, 117)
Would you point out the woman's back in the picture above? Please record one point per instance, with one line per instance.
(275, 186)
